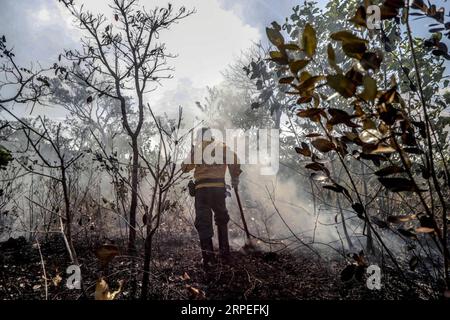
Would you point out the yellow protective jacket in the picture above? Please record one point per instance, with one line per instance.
(211, 171)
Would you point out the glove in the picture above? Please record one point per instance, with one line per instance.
(235, 182)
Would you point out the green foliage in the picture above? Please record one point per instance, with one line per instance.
(375, 98)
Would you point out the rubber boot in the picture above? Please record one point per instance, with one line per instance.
(224, 245)
(207, 253)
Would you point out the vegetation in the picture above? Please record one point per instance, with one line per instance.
(364, 154)
(375, 118)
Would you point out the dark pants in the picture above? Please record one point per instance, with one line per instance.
(206, 201)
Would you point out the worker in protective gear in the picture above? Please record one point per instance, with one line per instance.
(210, 192)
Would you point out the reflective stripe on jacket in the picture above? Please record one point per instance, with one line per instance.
(204, 171)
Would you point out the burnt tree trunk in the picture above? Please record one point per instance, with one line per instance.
(68, 217)
(134, 197)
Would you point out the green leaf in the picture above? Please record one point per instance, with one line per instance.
(331, 54)
(309, 40)
(298, 65)
(309, 83)
(323, 145)
(275, 37)
(354, 49)
(342, 85)
(359, 19)
(276, 26)
(291, 46)
(332, 58)
(276, 55)
(388, 12)
(347, 36)
(371, 60)
(279, 57)
(370, 89)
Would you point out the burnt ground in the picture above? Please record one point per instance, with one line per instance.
(177, 274)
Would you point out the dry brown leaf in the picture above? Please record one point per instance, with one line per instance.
(56, 280)
(342, 85)
(106, 253)
(370, 89)
(447, 294)
(196, 294)
(424, 230)
(185, 277)
(102, 290)
(323, 145)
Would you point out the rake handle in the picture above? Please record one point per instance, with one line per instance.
(247, 233)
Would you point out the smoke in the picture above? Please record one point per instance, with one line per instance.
(280, 209)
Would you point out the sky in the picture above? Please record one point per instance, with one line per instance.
(206, 42)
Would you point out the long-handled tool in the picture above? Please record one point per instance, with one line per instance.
(247, 233)
(250, 246)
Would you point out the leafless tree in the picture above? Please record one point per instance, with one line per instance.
(46, 154)
(121, 56)
(165, 175)
(19, 84)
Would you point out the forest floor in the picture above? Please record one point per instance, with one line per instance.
(177, 274)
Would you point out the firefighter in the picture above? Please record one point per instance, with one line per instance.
(209, 190)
